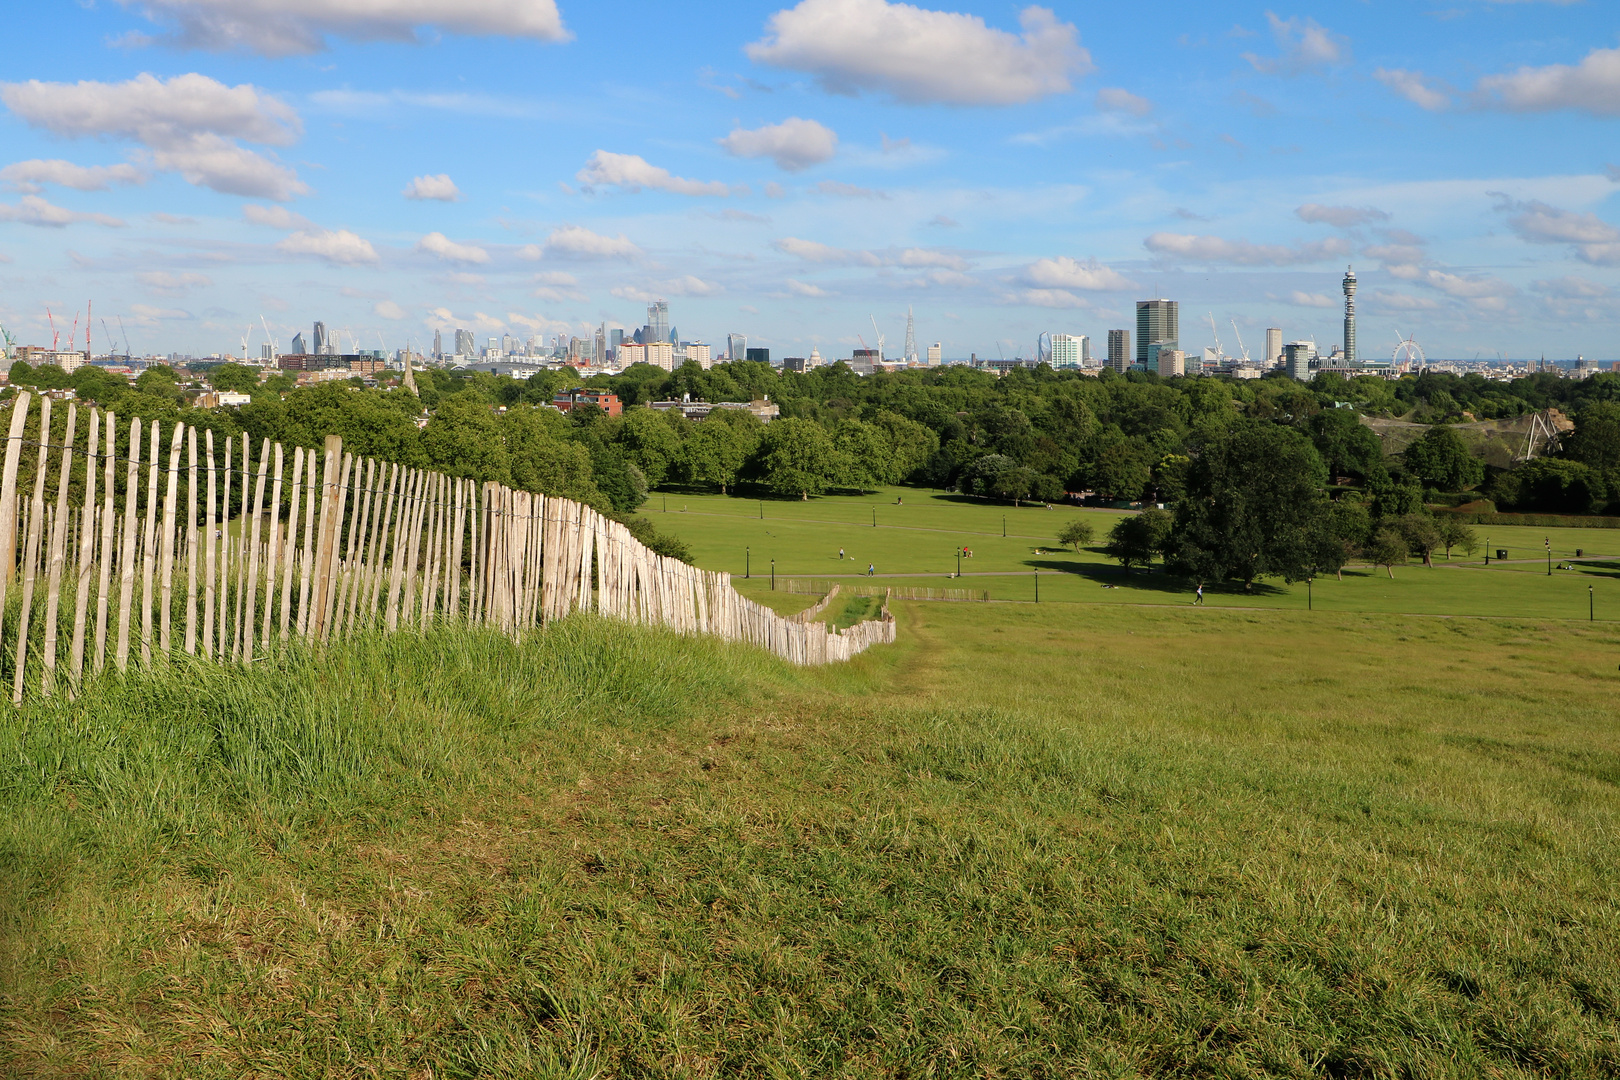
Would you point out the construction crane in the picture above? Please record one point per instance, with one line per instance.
(1242, 348)
(879, 334)
(245, 339)
(111, 341)
(11, 342)
(275, 346)
(121, 330)
(55, 335)
(1220, 350)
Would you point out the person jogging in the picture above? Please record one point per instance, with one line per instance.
(1199, 600)
(871, 568)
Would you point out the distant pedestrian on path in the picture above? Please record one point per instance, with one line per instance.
(871, 568)
(840, 554)
(1200, 599)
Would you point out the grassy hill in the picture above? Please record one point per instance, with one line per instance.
(1048, 841)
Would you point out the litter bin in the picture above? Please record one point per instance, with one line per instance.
(1579, 553)
(1501, 553)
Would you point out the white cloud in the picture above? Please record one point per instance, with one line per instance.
(556, 286)
(804, 288)
(185, 125)
(1304, 44)
(1340, 217)
(1047, 298)
(1215, 249)
(149, 316)
(387, 309)
(339, 246)
(1394, 301)
(1572, 288)
(1595, 240)
(33, 210)
(289, 27)
(580, 242)
(1314, 300)
(923, 57)
(436, 243)
(1474, 287)
(30, 176)
(1114, 99)
(794, 144)
(276, 217)
(814, 252)
(658, 290)
(924, 257)
(633, 173)
(161, 281)
(1591, 86)
(848, 191)
(1415, 87)
(1066, 273)
(439, 188)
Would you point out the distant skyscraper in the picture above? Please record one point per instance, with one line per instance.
(508, 344)
(1274, 348)
(298, 346)
(1065, 349)
(1119, 349)
(759, 356)
(1298, 356)
(911, 338)
(1158, 323)
(465, 344)
(1350, 317)
(736, 346)
(935, 352)
(320, 339)
(599, 346)
(658, 321)
(438, 345)
(266, 353)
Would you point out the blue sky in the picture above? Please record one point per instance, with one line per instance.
(791, 171)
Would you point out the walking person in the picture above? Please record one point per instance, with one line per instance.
(871, 568)
(840, 554)
(1199, 602)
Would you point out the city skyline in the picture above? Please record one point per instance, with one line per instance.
(503, 170)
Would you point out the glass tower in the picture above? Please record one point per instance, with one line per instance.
(1158, 326)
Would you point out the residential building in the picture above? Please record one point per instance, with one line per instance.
(602, 399)
(700, 352)
(438, 345)
(1171, 362)
(1274, 347)
(1070, 349)
(936, 354)
(1119, 350)
(1158, 323)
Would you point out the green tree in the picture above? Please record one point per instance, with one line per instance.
(1348, 447)
(652, 442)
(1553, 486)
(1595, 442)
(866, 452)
(1014, 483)
(1139, 538)
(464, 440)
(796, 457)
(1076, 533)
(714, 453)
(1441, 460)
(159, 381)
(1455, 534)
(1339, 534)
(1387, 548)
(234, 377)
(1253, 500)
(1421, 535)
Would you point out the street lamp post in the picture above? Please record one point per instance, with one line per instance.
(748, 562)
(1591, 604)
(874, 517)
(1549, 556)
(958, 562)
(1037, 584)
(762, 509)
(1487, 551)
(1310, 603)
(773, 575)
(1004, 526)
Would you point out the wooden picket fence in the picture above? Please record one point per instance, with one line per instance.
(341, 544)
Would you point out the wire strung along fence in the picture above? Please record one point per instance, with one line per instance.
(130, 542)
(814, 587)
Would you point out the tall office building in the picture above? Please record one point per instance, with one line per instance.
(1119, 349)
(319, 339)
(1274, 350)
(599, 347)
(1066, 349)
(1158, 326)
(936, 352)
(1350, 317)
(298, 346)
(438, 345)
(466, 345)
(657, 321)
(1298, 356)
(736, 346)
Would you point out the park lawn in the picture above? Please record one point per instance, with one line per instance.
(1038, 841)
(914, 546)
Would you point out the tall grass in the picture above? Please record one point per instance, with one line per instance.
(1023, 842)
